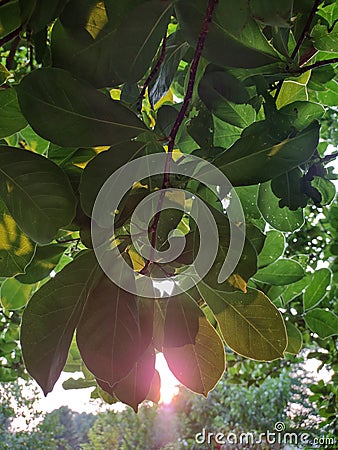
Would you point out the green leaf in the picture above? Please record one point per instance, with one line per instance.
(250, 323)
(322, 322)
(39, 14)
(77, 383)
(294, 89)
(295, 339)
(38, 212)
(301, 114)
(136, 41)
(4, 74)
(181, 321)
(273, 248)
(193, 364)
(134, 388)
(9, 17)
(294, 289)
(329, 96)
(16, 249)
(326, 189)
(108, 335)
(14, 295)
(257, 156)
(234, 38)
(45, 260)
(277, 13)
(99, 169)
(11, 118)
(315, 291)
(51, 316)
(280, 218)
(280, 273)
(88, 117)
(289, 187)
(324, 39)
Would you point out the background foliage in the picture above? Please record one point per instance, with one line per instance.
(87, 86)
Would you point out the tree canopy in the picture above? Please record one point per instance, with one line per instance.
(222, 116)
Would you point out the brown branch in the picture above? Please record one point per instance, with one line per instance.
(10, 36)
(156, 68)
(323, 62)
(10, 58)
(179, 120)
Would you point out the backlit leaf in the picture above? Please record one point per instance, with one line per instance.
(322, 322)
(250, 323)
(280, 273)
(51, 316)
(315, 291)
(295, 339)
(14, 295)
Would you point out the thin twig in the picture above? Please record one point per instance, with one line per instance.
(67, 241)
(323, 62)
(4, 2)
(177, 124)
(306, 28)
(156, 68)
(300, 40)
(10, 36)
(10, 58)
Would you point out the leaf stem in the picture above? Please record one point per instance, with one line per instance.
(179, 120)
(10, 36)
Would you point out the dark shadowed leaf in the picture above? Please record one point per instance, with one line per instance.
(11, 118)
(51, 316)
(295, 339)
(38, 212)
(53, 98)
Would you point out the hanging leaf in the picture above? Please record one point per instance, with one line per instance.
(16, 249)
(51, 316)
(282, 272)
(111, 319)
(280, 218)
(134, 388)
(38, 212)
(250, 323)
(154, 393)
(53, 98)
(322, 322)
(11, 118)
(234, 38)
(315, 291)
(193, 364)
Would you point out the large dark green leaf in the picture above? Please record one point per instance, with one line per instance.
(99, 169)
(315, 291)
(52, 99)
(258, 156)
(16, 249)
(324, 39)
(51, 317)
(250, 323)
(280, 218)
(36, 192)
(11, 118)
(38, 13)
(234, 38)
(273, 248)
(194, 364)
(136, 41)
(108, 334)
(281, 272)
(322, 322)
(9, 17)
(277, 13)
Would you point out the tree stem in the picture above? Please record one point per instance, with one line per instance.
(179, 120)
(323, 62)
(10, 58)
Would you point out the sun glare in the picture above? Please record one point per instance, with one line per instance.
(169, 384)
